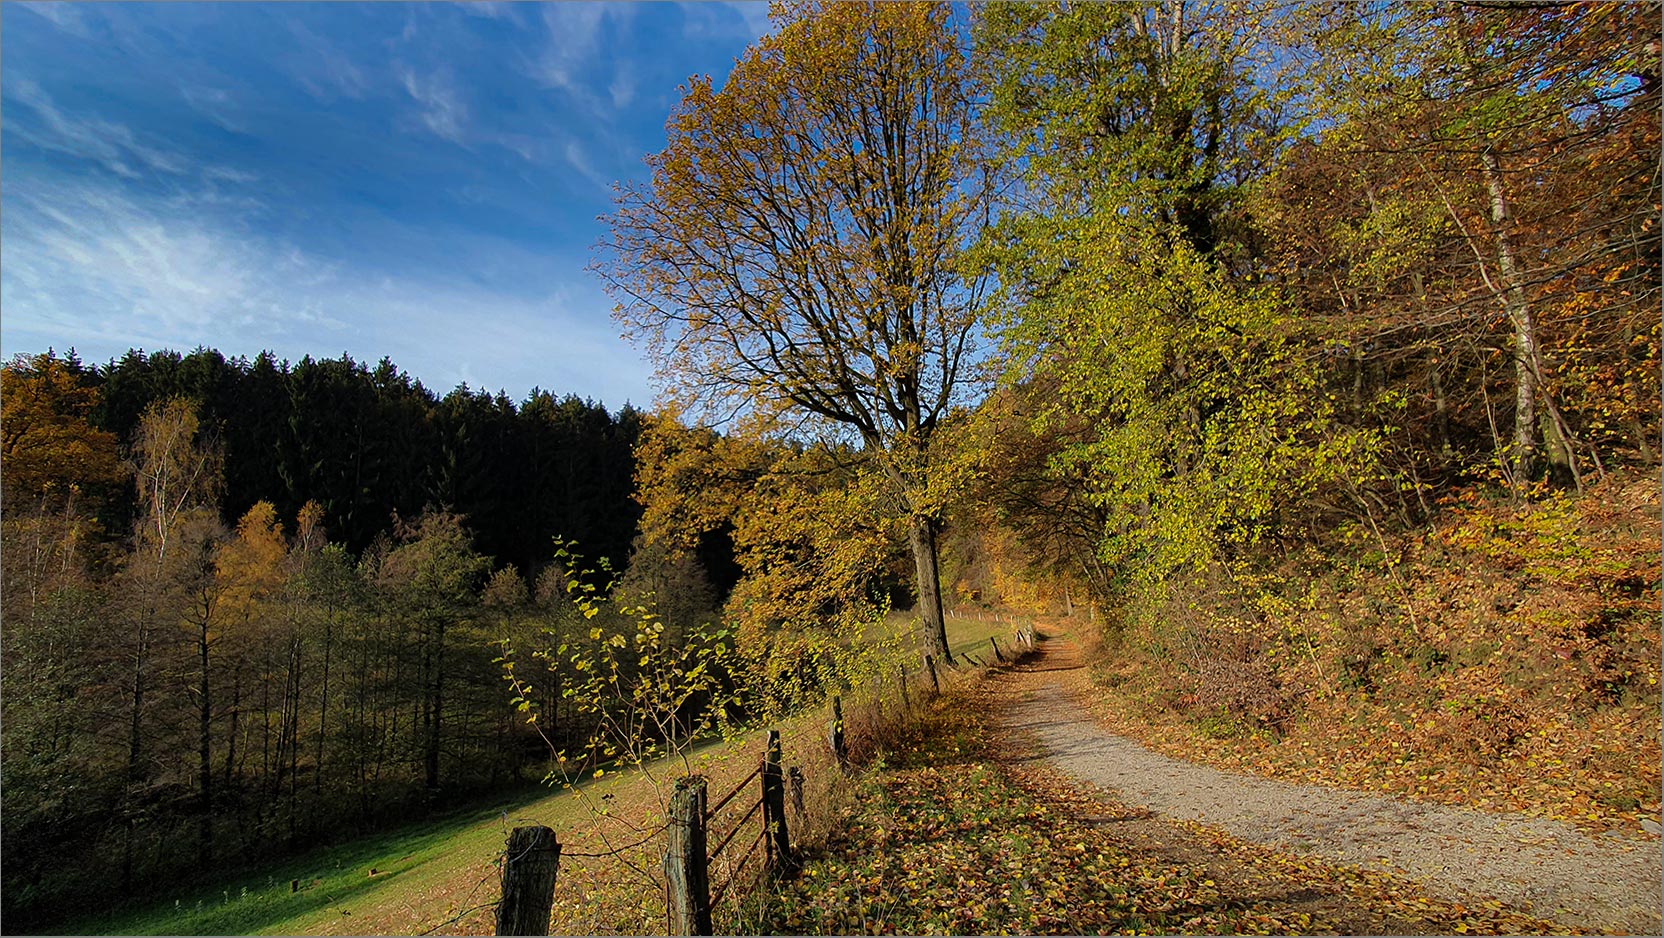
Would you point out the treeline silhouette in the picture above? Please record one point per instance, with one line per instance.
(370, 442)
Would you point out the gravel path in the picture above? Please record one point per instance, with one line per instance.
(1546, 867)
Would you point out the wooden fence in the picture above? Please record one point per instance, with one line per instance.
(532, 857)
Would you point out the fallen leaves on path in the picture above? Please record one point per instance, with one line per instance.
(968, 833)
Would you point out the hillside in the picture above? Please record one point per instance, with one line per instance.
(1503, 658)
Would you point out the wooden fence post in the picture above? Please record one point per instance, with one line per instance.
(901, 673)
(685, 864)
(794, 782)
(838, 731)
(997, 656)
(774, 810)
(530, 863)
(930, 665)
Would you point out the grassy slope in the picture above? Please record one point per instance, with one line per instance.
(427, 872)
(965, 634)
(336, 883)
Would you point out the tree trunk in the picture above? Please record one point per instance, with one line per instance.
(294, 730)
(1441, 412)
(135, 738)
(236, 708)
(1519, 313)
(1632, 393)
(323, 708)
(1526, 361)
(266, 725)
(922, 536)
(435, 725)
(205, 755)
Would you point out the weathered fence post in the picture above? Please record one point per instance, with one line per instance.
(997, 655)
(774, 809)
(838, 731)
(930, 665)
(794, 782)
(530, 863)
(685, 864)
(901, 673)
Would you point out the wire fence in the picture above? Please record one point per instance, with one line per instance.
(690, 825)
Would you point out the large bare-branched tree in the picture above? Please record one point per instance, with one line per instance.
(796, 251)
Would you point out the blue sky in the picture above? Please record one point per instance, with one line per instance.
(420, 181)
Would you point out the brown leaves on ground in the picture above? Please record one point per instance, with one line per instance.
(969, 833)
(1508, 660)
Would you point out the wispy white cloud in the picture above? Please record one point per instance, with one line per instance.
(573, 29)
(579, 161)
(326, 72)
(216, 104)
(571, 60)
(442, 109)
(488, 9)
(94, 264)
(228, 174)
(113, 145)
(66, 16)
(747, 19)
(93, 268)
(623, 87)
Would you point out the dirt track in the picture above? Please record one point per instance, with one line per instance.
(1546, 867)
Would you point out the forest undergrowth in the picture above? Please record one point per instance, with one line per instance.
(1504, 658)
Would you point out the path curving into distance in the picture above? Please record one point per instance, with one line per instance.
(1546, 867)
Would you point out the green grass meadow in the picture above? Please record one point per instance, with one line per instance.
(333, 880)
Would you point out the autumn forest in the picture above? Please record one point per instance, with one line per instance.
(1305, 358)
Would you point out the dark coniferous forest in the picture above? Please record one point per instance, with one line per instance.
(369, 443)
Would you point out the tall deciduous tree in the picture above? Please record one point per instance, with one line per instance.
(46, 441)
(51, 454)
(433, 574)
(1134, 303)
(178, 478)
(796, 249)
